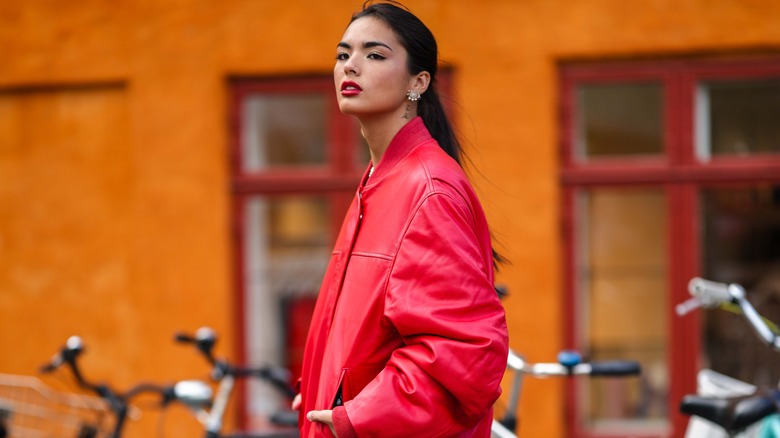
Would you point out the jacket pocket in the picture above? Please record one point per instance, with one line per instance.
(352, 381)
(343, 392)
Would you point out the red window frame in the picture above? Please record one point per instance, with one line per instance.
(337, 178)
(678, 172)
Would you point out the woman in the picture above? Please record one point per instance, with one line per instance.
(408, 337)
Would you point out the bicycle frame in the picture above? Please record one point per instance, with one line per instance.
(217, 413)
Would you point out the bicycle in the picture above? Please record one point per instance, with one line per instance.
(117, 402)
(226, 374)
(569, 364)
(726, 406)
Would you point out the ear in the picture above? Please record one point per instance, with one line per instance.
(420, 82)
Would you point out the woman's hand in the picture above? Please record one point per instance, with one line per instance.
(325, 417)
(296, 403)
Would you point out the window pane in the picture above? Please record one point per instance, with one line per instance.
(619, 120)
(621, 278)
(741, 244)
(287, 245)
(738, 117)
(284, 130)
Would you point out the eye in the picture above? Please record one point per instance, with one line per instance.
(342, 56)
(374, 55)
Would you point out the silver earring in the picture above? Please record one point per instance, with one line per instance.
(413, 95)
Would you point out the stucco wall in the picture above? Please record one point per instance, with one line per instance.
(114, 216)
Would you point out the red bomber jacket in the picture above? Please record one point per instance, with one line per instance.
(408, 332)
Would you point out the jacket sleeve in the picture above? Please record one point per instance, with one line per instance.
(440, 298)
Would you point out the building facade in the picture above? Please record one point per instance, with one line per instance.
(171, 165)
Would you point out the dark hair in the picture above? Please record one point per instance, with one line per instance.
(423, 52)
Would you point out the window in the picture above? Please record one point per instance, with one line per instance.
(296, 163)
(671, 169)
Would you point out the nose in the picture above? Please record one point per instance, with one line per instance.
(350, 68)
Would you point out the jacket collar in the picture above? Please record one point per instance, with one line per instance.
(406, 139)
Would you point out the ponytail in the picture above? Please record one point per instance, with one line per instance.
(435, 118)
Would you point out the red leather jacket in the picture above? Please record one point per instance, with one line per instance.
(407, 326)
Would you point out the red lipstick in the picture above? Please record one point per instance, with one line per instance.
(349, 88)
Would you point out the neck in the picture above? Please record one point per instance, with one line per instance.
(379, 133)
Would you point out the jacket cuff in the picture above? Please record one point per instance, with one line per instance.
(342, 424)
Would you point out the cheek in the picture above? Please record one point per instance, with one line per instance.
(393, 83)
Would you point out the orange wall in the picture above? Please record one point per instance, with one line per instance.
(114, 199)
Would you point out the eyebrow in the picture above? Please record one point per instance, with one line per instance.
(366, 45)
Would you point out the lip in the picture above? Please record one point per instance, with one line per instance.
(349, 88)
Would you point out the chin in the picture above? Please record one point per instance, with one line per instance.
(350, 110)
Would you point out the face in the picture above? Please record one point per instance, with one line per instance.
(371, 72)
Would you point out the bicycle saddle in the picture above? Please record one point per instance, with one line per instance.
(731, 413)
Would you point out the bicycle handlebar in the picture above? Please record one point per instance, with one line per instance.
(68, 355)
(204, 340)
(710, 293)
(119, 402)
(616, 368)
(707, 293)
(569, 364)
(73, 347)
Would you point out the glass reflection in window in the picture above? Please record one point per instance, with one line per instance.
(738, 117)
(621, 278)
(619, 120)
(284, 130)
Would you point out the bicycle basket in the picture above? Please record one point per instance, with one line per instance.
(30, 409)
